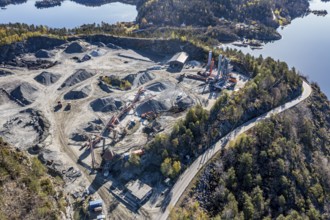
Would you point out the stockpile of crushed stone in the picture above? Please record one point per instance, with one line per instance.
(5, 73)
(78, 93)
(47, 78)
(43, 54)
(113, 46)
(106, 104)
(157, 87)
(75, 47)
(139, 78)
(24, 94)
(77, 77)
(153, 105)
(98, 53)
(185, 103)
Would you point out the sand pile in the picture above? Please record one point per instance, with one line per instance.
(77, 77)
(153, 105)
(139, 78)
(75, 47)
(24, 94)
(43, 54)
(5, 73)
(79, 93)
(107, 104)
(47, 78)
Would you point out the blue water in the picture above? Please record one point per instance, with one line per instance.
(305, 45)
(69, 14)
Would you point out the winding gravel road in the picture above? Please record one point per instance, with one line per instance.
(196, 166)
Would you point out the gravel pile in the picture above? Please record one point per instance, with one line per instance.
(185, 103)
(47, 78)
(78, 93)
(157, 87)
(5, 73)
(139, 78)
(77, 77)
(75, 47)
(43, 54)
(24, 94)
(98, 53)
(113, 46)
(107, 104)
(153, 105)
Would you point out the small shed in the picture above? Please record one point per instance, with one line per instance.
(178, 60)
(138, 191)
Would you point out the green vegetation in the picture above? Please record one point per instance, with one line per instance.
(10, 33)
(115, 82)
(279, 170)
(26, 190)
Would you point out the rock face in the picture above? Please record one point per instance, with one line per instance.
(31, 45)
(77, 77)
(47, 78)
(106, 104)
(78, 93)
(24, 94)
(5, 73)
(75, 47)
(43, 54)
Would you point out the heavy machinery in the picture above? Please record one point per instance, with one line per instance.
(151, 115)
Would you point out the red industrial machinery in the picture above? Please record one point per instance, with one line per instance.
(115, 120)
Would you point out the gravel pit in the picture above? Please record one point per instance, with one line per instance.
(25, 129)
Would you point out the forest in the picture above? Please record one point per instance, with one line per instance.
(27, 191)
(278, 170)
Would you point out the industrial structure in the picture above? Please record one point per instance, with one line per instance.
(223, 78)
(178, 60)
(138, 192)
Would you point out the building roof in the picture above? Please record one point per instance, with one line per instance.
(179, 57)
(138, 189)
